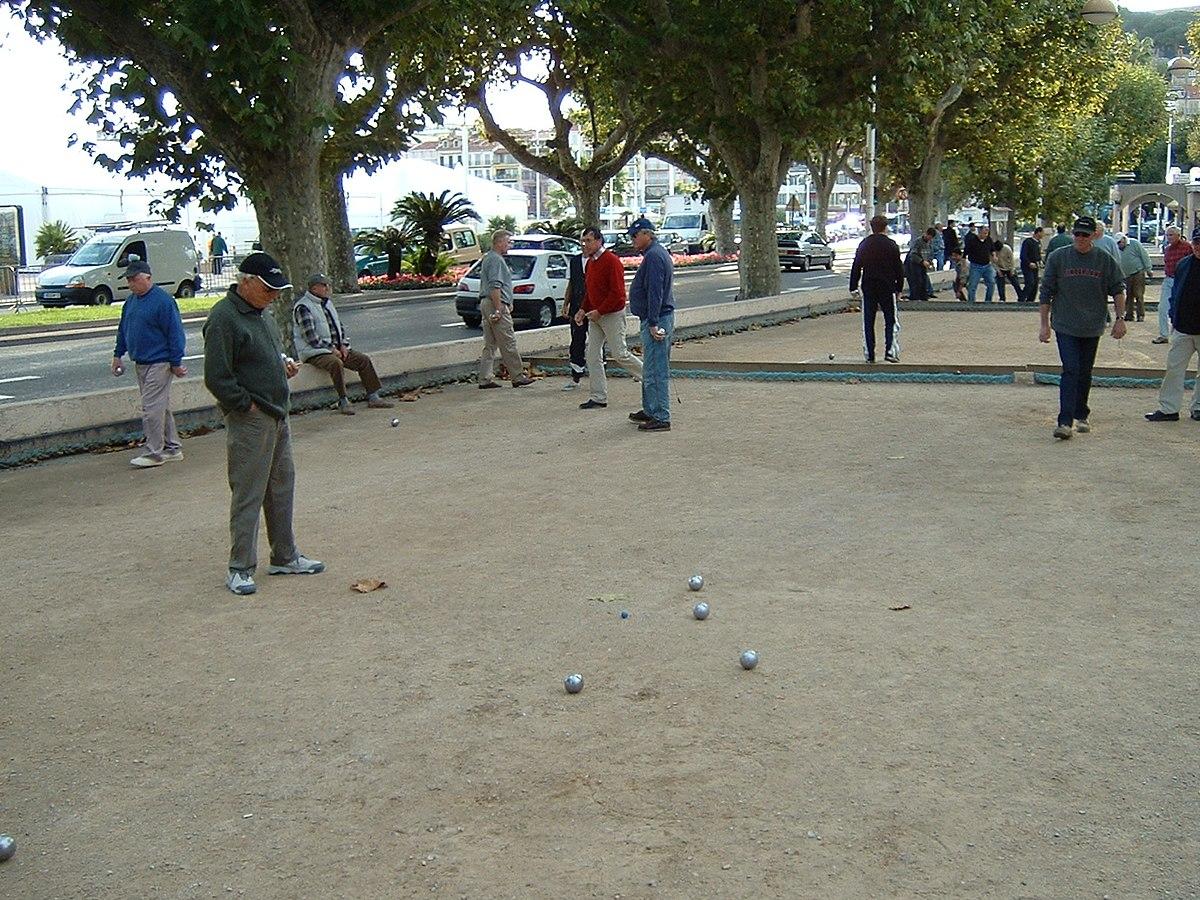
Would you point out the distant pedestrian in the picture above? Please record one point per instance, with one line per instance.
(603, 315)
(1031, 263)
(1135, 264)
(1106, 242)
(1006, 265)
(246, 370)
(1175, 250)
(916, 266)
(950, 239)
(1078, 281)
(1060, 239)
(938, 246)
(652, 300)
(1184, 305)
(878, 268)
(321, 341)
(978, 250)
(216, 252)
(495, 311)
(573, 303)
(151, 330)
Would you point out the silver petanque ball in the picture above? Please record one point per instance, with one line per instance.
(7, 847)
(696, 582)
(573, 683)
(749, 659)
(395, 423)
(700, 610)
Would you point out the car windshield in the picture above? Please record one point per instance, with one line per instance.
(96, 252)
(788, 236)
(678, 221)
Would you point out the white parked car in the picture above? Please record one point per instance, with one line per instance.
(539, 286)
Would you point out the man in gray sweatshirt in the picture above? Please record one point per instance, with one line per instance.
(495, 316)
(1078, 282)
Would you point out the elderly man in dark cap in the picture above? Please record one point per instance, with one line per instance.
(321, 341)
(152, 333)
(652, 301)
(246, 370)
(1079, 280)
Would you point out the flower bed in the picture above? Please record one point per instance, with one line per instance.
(682, 262)
(409, 282)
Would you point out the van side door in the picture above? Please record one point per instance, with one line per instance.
(116, 279)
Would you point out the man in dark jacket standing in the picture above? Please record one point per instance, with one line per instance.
(152, 332)
(977, 248)
(877, 266)
(1184, 305)
(652, 301)
(1031, 261)
(246, 370)
(950, 239)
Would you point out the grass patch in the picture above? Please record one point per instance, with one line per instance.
(82, 314)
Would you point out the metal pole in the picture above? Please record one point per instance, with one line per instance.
(1170, 137)
(869, 174)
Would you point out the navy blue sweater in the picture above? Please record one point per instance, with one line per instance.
(650, 296)
(151, 330)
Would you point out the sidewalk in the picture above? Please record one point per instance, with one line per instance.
(1022, 730)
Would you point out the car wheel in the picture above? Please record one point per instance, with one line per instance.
(804, 263)
(472, 321)
(187, 289)
(101, 296)
(545, 315)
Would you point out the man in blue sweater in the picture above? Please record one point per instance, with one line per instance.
(152, 333)
(651, 300)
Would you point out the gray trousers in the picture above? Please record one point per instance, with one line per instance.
(499, 335)
(261, 476)
(154, 383)
(1170, 395)
(610, 328)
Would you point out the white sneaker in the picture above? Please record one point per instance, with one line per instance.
(176, 456)
(1062, 432)
(240, 584)
(147, 461)
(301, 565)
(1082, 426)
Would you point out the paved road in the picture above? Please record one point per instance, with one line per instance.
(71, 366)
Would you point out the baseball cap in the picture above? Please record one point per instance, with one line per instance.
(268, 271)
(1120, 236)
(318, 279)
(1084, 225)
(642, 224)
(137, 267)
(1196, 233)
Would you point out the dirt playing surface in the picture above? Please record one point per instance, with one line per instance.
(1027, 728)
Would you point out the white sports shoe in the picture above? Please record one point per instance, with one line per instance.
(301, 565)
(147, 461)
(240, 584)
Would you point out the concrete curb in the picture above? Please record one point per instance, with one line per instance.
(38, 429)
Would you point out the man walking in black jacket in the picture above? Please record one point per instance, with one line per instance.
(877, 266)
(950, 239)
(1031, 261)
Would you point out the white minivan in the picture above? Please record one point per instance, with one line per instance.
(95, 273)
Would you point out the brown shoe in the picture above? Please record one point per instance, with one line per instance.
(655, 425)
(488, 384)
(523, 381)
(639, 416)
(379, 403)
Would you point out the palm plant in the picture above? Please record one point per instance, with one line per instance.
(429, 214)
(55, 238)
(390, 241)
(500, 223)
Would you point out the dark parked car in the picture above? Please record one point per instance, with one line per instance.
(803, 250)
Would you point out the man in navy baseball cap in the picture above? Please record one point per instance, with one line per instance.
(639, 225)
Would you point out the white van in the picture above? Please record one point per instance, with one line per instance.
(95, 273)
(687, 217)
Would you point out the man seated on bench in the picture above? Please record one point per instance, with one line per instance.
(321, 341)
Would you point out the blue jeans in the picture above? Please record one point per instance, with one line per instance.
(988, 274)
(1078, 355)
(656, 370)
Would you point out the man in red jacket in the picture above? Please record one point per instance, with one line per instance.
(604, 308)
